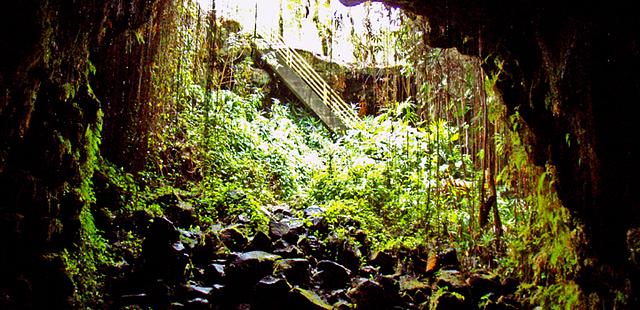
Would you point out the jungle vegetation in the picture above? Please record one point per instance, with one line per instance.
(435, 161)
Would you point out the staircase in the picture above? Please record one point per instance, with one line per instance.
(305, 83)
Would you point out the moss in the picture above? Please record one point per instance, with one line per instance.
(309, 299)
(564, 295)
(85, 263)
(87, 259)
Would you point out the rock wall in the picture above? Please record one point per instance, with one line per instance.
(570, 71)
(50, 128)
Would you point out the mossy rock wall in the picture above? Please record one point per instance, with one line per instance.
(50, 132)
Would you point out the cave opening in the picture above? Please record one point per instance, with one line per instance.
(318, 154)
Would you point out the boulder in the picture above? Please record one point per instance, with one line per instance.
(385, 260)
(481, 285)
(344, 251)
(162, 230)
(206, 250)
(418, 291)
(391, 288)
(271, 293)
(129, 300)
(368, 294)
(295, 270)
(450, 279)
(447, 259)
(509, 285)
(250, 267)
(503, 303)
(191, 291)
(215, 273)
(305, 299)
(364, 245)
(310, 245)
(449, 301)
(288, 228)
(197, 304)
(182, 214)
(160, 294)
(260, 242)
(316, 216)
(284, 249)
(332, 275)
(164, 256)
(368, 271)
(233, 238)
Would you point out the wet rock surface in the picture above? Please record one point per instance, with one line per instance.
(296, 265)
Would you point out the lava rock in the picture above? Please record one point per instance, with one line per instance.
(215, 273)
(345, 252)
(281, 211)
(233, 238)
(368, 295)
(284, 249)
(368, 271)
(195, 291)
(198, 303)
(449, 301)
(141, 299)
(164, 256)
(205, 251)
(162, 230)
(332, 275)
(289, 229)
(363, 240)
(313, 211)
(182, 214)
(190, 238)
(310, 245)
(295, 270)
(139, 221)
(450, 279)
(385, 260)
(448, 259)
(391, 288)
(316, 216)
(290, 251)
(250, 267)
(305, 299)
(160, 294)
(503, 303)
(509, 285)
(417, 290)
(481, 285)
(343, 305)
(271, 293)
(217, 295)
(260, 242)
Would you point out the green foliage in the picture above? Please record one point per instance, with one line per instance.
(240, 155)
(86, 260)
(545, 251)
(86, 263)
(409, 176)
(401, 182)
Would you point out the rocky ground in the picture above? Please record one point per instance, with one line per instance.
(299, 264)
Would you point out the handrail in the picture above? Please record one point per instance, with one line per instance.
(309, 75)
(321, 88)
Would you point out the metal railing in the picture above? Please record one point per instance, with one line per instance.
(302, 68)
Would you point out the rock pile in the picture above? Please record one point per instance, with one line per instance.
(298, 264)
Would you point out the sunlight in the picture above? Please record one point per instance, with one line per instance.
(303, 33)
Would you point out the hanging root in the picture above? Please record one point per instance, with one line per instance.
(485, 208)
